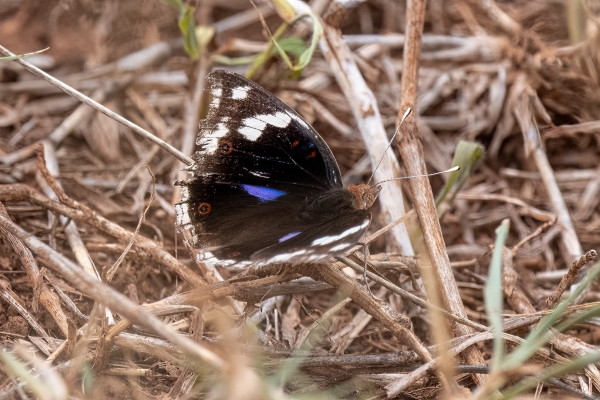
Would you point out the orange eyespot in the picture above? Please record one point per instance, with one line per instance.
(312, 154)
(234, 254)
(296, 142)
(204, 209)
(226, 147)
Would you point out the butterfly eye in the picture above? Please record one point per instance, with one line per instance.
(226, 147)
(204, 209)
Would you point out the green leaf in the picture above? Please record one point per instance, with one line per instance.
(290, 14)
(87, 376)
(293, 45)
(221, 59)
(204, 34)
(493, 296)
(307, 55)
(467, 156)
(187, 26)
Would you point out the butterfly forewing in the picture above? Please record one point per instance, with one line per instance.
(251, 134)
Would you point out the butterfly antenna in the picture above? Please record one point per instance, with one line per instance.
(408, 110)
(417, 176)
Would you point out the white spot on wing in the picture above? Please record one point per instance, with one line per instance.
(280, 119)
(331, 239)
(183, 217)
(250, 133)
(259, 174)
(217, 93)
(254, 122)
(253, 127)
(208, 258)
(210, 141)
(185, 193)
(285, 256)
(240, 93)
(340, 247)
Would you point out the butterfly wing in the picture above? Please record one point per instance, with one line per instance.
(320, 241)
(251, 134)
(260, 177)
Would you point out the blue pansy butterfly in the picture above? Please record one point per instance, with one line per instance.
(266, 187)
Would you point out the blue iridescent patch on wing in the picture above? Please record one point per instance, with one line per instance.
(288, 236)
(262, 192)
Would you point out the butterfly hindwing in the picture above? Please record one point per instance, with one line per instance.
(235, 227)
(330, 237)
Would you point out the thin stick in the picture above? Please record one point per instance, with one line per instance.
(438, 277)
(83, 215)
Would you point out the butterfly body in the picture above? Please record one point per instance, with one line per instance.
(265, 187)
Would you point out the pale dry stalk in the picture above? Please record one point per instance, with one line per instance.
(569, 245)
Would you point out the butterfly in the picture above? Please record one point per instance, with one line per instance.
(265, 188)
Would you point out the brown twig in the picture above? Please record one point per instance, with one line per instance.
(411, 297)
(442, 288)
(515, 296)
(534, 234)
(569, 278)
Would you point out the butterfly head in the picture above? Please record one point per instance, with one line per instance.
(364, 195)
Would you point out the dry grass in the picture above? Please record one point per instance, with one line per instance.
(118, 308)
